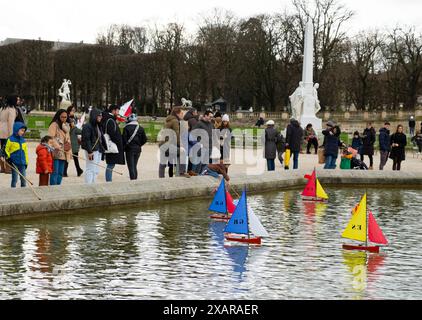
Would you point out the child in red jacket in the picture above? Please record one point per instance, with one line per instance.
(45, 160)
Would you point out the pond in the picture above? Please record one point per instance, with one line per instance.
(173, 251)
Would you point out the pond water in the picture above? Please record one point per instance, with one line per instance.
(173, 251)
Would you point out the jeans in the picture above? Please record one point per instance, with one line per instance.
(384, 159)
(295, 160)
(15, 175)
(330, 162)
(271, 164)
(92, 169)
(109, 172)
(57, 175)
(210, 172)
(132, 162)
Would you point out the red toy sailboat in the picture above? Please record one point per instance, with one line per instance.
(363, 227)
(222, 204)
(314, 190)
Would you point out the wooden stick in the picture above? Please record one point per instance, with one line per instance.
(13, 167)
(99, 165)
(237, 195)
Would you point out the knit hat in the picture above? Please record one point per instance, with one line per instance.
(271, 123)
(226, 118)
(132, 117)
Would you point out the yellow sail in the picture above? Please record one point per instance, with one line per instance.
(356, 230)
(320, 192)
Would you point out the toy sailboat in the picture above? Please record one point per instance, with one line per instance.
(244, 226)
(222, 204)
(313, 190)
(363, 227)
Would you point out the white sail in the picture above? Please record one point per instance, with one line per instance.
(255, 225)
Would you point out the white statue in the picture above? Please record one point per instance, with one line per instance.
(317, 105)
(64, 90)
(186, 103)
(296, 100)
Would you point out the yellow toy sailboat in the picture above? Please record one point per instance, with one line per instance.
(363, 227)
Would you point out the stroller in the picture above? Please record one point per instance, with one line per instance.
(358, 165)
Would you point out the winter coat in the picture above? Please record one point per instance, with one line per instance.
(172, 122)
(111, 127)
(74, 132)
(225, 141)
(138, 140)
(60, 137)
(399, 152)
(384, 140)
(16, 148)
(92, 134)
(208, 127)
(357, 144)
(7, 119)
(332, 143)
(44, 159)
(191, 119)
(271, 138)
(294, 136)
(368, 139)
(412, 123)
(310, 134)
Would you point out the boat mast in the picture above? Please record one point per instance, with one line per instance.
(366, 217)
(247, 215)
(225, 196)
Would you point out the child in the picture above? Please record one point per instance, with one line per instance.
(45, 160)
(357, 142)
(17, 153)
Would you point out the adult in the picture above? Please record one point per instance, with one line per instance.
(7, 119)
(260, 122)
(225, 139)
(192, 117)
(175, 153)
(294, 137)
(204, 124)
(75, 132)
(271, 137)
(398, 144)
(385, 145)
(59, 130)
(111, 127)
(94, 144)
(311, 138)
(218, 119)
(412, 125)
(332, 144)
(134, 138)
(418, 140)
(368, 140)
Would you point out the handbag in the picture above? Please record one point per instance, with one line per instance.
(111, 146)
(321, 155)
(287, 159)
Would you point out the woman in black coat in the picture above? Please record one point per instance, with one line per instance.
(111, 127)
(368, 139)
(398, 144)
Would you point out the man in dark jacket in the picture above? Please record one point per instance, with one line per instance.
(192, 118)
(111, 127)
(412, 126)
(204, 126)
(134, 138)
(368, 139)
(294, 137)
(385, 145)
(94, 145)
(332, 144)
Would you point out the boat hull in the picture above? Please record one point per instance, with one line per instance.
(373, 249)
(313, 199)
(220, 217)
(242, 238)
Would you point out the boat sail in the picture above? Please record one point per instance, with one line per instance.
(222, 204)
(314, 190)
(363, 227)
(244, 226)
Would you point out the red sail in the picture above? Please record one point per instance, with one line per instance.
(230, 205)
(374, 232)
(310, 189)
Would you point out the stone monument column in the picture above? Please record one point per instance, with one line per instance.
(306, 111)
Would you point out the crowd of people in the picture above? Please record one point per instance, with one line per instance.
(190, 144)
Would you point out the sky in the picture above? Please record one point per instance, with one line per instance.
(81, 20)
